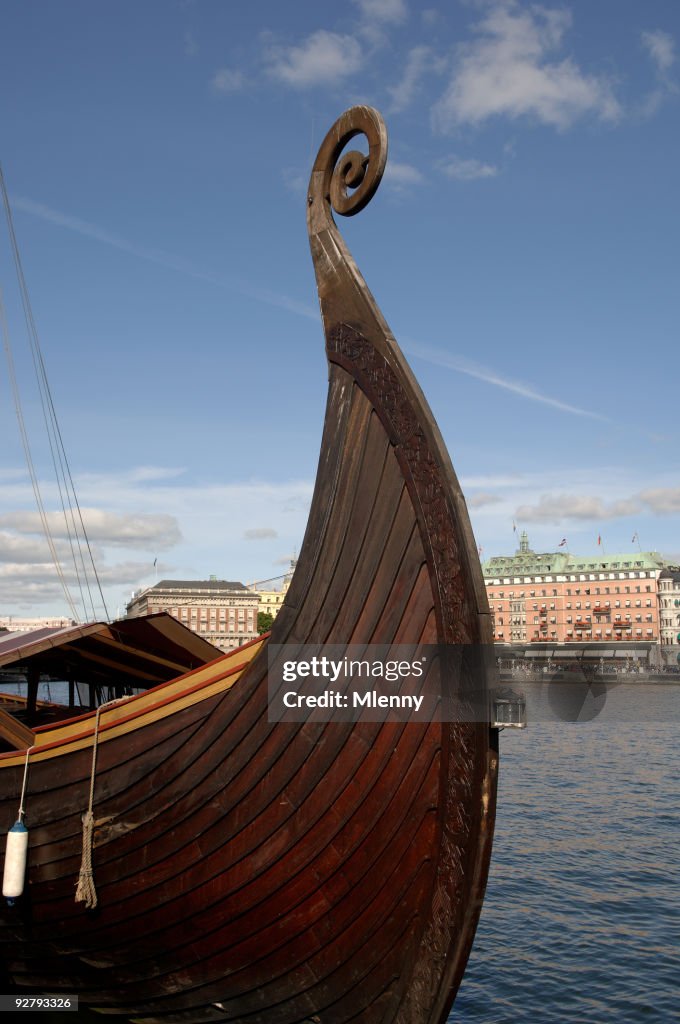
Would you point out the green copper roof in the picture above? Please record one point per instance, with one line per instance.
(526, 562)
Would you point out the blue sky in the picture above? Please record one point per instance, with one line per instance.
(523, 248)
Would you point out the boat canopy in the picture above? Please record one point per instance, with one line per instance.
(132, 652)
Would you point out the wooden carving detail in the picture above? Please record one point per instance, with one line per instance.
(421, 469)
(333, 175)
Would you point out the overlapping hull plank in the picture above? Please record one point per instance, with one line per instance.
(252, 871)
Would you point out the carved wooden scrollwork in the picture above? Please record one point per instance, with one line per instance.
(335, 172)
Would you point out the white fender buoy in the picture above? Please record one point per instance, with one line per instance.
(15, 861)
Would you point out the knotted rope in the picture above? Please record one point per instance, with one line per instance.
(85, 891)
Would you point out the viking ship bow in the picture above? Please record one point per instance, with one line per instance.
(284, 872)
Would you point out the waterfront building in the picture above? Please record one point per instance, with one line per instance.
(15, 624)
(223, 612)
(559, 597)
(669, 606)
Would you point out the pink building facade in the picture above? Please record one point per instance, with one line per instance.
(557, 597)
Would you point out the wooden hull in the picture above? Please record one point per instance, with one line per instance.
(254, 871)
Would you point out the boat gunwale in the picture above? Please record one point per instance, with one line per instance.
(111, 718)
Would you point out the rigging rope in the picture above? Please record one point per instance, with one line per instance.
(75, 531)
(29, 460)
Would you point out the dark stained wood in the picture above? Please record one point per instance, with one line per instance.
(253, 871)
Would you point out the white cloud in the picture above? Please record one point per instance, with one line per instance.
(205, 524)
(260, 533)
(402, 176)
(26, 563)
(18, 549)
(470, 169)
(555, 508)
(662, 500)
(22, 585)
(507, 71)
(418, 63)
(386, 11)
(135, 530)
(324, 58)
(661, 48)
(284, 560)
(577, 500)
(483, 499)
(144, 474)
(228, 80)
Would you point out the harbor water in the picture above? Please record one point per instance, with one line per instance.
(581, 921)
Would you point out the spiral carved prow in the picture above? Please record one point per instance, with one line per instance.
(344, 182)
(335, 172)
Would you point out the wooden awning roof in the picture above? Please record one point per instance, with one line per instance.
(138, 652)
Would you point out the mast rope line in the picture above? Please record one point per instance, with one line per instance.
(64, 471)
(29, 460)
(47, 405)
(76, 536)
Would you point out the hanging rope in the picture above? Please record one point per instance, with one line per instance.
(85, 890)
(22, 809)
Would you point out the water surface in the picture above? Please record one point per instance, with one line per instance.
(581, 922)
